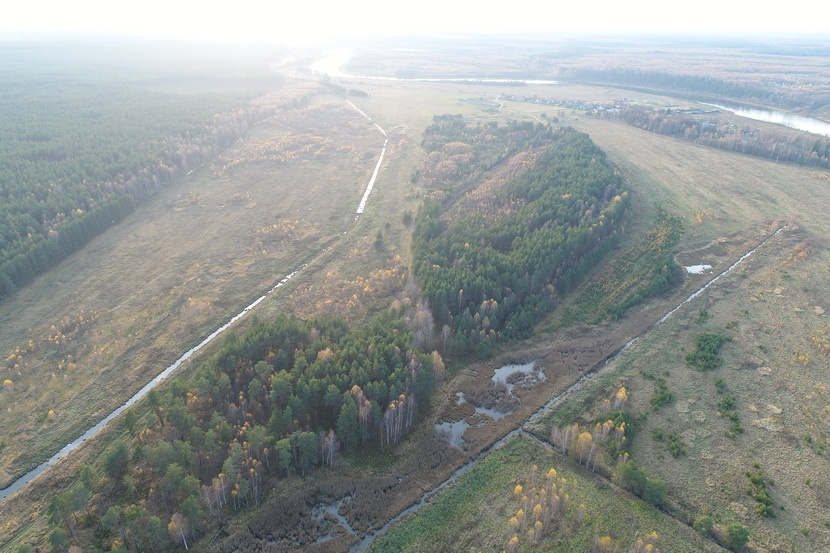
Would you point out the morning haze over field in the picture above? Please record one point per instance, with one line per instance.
(362, 277)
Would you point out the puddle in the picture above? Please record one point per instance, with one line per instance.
(331, 511)
(489, 411)
(500, 402)
(454, 431)
(698, 269)
(492, 413)
(525, 375)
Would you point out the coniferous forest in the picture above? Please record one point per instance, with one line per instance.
(285, 396)
(492, 264)
(85, 141)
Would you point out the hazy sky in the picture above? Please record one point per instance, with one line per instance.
(314, 20)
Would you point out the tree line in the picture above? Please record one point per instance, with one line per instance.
(702, 85)
(809, 150)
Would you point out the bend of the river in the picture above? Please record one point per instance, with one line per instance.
(335, 59)
(793, 121)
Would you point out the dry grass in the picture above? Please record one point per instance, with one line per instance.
(778, 377)
(718, 193)
(473, 514)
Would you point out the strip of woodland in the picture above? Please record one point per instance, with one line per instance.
(761, 92)
(491, 264)
(786, 146)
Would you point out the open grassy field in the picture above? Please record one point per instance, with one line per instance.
(775, 366)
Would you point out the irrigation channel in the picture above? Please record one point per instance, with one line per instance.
(371, 184)
(366, 542)
(161, 377)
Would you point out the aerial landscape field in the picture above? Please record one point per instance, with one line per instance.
(405, 293)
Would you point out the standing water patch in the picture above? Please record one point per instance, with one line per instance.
(453, 431)
(525, 375)
(697, 269)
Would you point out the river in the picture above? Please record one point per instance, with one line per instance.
(336, 58)
(798, 122)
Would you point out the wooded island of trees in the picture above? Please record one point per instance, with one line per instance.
(491, 264)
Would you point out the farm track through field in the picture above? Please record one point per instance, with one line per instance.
(366, 542)
(166, 373)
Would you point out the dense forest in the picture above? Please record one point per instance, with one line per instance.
(84, 143)
(275, 401)
(810, 150)
(491, 264)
